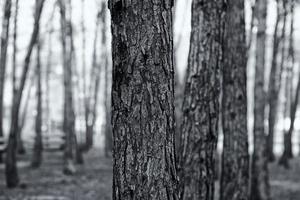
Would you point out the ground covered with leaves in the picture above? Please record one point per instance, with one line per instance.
(93, 180)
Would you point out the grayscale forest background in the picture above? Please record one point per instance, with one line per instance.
(140, 99)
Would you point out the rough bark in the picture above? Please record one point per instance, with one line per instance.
(143, 100)
(235, 157)
(69, 115)
(275, 78)
(260, 188)
(38, 143)
(199, 130)
(11, 172)
(3, 56)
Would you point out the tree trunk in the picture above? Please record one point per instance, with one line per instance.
(252, 24)
(107, 85)
(50, 30)
(288, 153)
(88, 128)
(23, 117)
(199, 131)
(12, 178)
(69, 115)
(275, 80)
(235, 158)
(3, 56)
(178, 86)
(143, 100)
(93, 77)
(20, 145)
(38, 143)
(260, 188)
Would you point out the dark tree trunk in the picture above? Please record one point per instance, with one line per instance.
(235, 158)
(288, 153)
(38, 143)
(199, 131)
(20, 145)
(260, 189)
(3, 56)
(275, 78)
(69, 115)
(12, 178)
(143, 100)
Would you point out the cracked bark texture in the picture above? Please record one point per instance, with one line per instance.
(260, 189)
(235, 157)
(199, 130)
(143, 100)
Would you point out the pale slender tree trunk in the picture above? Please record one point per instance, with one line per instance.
(78, 150)
(3, 56)
(94, 73)
(200, 109)
(275, 77)
(294, 99)
(87, 97)
(235, 157)
(49, 65)
(12, 178)
(252, 24)
(38, 143)
(260, 188)
(143, 100)
(287, 152)
(69, 115)
(107, 84)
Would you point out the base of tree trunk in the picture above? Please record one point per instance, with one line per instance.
(12, 180)
(69, 168)
(108, 154)
(36, 162)
(284, 161)
(271, 157)
(290, 155)
(79, 156)
(21, 151)
(20, 147)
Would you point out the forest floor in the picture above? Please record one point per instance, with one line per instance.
(93, 180)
